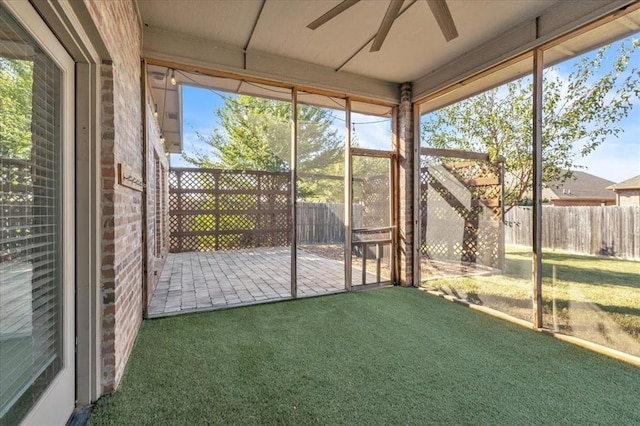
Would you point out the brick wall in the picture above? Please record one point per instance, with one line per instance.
(406, 176)
(629, 197)
(121, 280)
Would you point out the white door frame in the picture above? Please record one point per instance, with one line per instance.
(58, 401)
(75, 28)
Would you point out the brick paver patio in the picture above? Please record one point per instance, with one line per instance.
(210, 280)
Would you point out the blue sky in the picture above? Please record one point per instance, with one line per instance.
(198, 116)
(616, 159)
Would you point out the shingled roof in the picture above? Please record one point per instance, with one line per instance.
(631, 183)
(582, 186)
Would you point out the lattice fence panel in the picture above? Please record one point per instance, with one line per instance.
(213, 209)
(375, 201)
(461, 210)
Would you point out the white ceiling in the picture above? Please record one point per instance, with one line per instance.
(413, 47)
(269, 39)
(599, 36)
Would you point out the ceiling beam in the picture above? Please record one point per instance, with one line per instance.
(180, 49)
(633, 26)
(253, 30)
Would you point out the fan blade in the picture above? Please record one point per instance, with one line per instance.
(385, 26)
(443, 17)
(346, 4)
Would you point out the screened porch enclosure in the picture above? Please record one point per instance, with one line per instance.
(272, 210)
(311, 228)
(230, 240)
(565, 262)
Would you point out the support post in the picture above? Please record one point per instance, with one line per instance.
(417, 203)
(294, 191)
(393, 205)
(378, 261)
(145, 207)
(537, 187)
(405, 149)
(348, 199)
(501, 223)
(365, 247)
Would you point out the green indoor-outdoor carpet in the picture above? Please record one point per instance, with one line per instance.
(388, 356)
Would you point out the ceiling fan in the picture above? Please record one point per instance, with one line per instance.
(439, 9)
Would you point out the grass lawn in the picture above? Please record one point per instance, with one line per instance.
(595, 298)
(388, 356)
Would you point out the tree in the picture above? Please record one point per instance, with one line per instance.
(16, 81)
(255, 134)
(579, 114)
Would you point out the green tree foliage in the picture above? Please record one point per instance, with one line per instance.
(579, 113)
(16, 81)
(255, 134)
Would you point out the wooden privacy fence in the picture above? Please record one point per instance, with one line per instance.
(606, 230)
(324, 223)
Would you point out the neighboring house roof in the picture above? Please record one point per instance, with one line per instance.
(582, 186)
(632, 183)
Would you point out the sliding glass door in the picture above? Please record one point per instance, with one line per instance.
(36, 200)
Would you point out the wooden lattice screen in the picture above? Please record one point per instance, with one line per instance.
(461, 207)
(213, 209)
(375, 201)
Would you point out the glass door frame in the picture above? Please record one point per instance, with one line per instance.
(57, 402)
